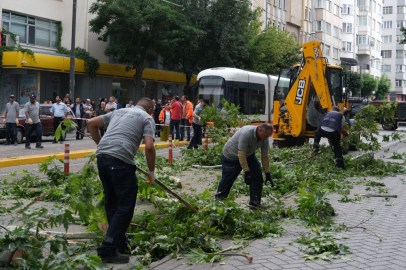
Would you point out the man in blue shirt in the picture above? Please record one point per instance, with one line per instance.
(59, 111)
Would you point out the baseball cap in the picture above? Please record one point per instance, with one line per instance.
(207, 101)
(33, 96)
(11, 96)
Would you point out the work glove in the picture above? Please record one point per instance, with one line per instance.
(151, 177)
(4, 121)
(29, 121)
(247, 178)
(17, 122)
(268, 179)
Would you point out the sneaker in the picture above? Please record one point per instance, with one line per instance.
(61, 142)
(127, 249)
(28, 147)
(116, 258)
(257, 207)
(15, 144)
(39, 146)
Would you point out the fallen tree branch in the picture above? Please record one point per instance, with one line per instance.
(376, 195)
(366, 229)
(32, 202)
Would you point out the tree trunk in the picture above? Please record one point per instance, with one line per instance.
(137, 81)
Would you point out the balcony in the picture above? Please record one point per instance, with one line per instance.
(400, 75)
(364, 49)
(364, 30)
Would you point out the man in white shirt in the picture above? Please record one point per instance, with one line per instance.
(111, 106)
(88, 113)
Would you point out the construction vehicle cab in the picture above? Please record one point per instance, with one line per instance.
(304, 94)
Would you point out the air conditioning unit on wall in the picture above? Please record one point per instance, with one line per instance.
(9, 41)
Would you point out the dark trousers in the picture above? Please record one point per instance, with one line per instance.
(79, 131)
(197, 136)
(57, 121)
(157, 128)
(120, 187)
(38, 130)
(232, 169)
(174, 124)
(185, 125)
(334, 138)
(11, 130)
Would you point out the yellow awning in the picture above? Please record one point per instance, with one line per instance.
(56, 63)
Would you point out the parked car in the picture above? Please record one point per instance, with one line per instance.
(46, 121)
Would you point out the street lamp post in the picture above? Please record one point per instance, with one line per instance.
(72, 54)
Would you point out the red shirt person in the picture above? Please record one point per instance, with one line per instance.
(175, 117)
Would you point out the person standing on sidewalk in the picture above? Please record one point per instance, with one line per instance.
(197, 125)
(165, 120)
(11, 118)
(88, 108)
(175, 117)
(33, 122)
(79, 110)
(239, 154)
(157, 112)
(187, 114)
(115, 162)
(111, 106)
(101, 111)
(59, 111)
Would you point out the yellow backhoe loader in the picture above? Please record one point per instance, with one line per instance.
(304, 94)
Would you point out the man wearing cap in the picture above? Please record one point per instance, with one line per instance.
(197, 125)
(12, 113)
(33, 122)
(88, 113)
(59, 111)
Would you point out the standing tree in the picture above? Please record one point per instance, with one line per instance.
(138, 30)
(369, 85)
(352, 80)
(384, 86)
(272, 50)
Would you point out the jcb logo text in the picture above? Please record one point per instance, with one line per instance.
(300, 92)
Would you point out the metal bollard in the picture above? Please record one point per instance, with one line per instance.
(66, 161)
(206, 140)
(170, 149)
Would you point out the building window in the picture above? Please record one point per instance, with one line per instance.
(31, 30)
(400, 24)
(336, 10)
(346, 46)
(362, 20)
(386, 68)
(379, 26)
(398, 83)
(327, 50)
(306, 14)
(378, 64)
(335, 53)
(387, 25)
(401, 9)
(400, 68)
(328, 5)
(378, 45)
(387, 10)
(363, 5)
(336, 32)
(328, 28)
(400, 54)
(310, 17)
(347, 28)
(399, 39)
(386, 39)
(386, 54)
(319, 25)
(319, 3)
(373, 6)
(347, 9)
(373, 24)
(379, 9)
(372, 44)
(362, 39)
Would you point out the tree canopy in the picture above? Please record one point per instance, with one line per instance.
(384, 86)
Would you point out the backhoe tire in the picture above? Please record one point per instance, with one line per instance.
(389, 126)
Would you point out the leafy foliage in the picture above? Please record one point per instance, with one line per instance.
(369, 84)
(384, 87)
(64, 127)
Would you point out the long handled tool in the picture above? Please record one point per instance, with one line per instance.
(191, 207)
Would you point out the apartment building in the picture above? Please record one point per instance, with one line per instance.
(361, 37)
(38, 23)
(393, 53)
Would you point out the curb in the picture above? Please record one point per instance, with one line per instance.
(34, 159)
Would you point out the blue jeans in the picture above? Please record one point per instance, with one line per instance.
(120, 187)
(231, 170)
(11, 127)
(38, 130)
(186, 125)
(174, 124)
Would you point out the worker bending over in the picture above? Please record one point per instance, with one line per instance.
(239, 153)
(331, 128)
(115, 160)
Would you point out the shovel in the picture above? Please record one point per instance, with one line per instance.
(191, 207)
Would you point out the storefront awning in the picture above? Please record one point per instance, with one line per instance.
(348, 61)
(57, 63)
